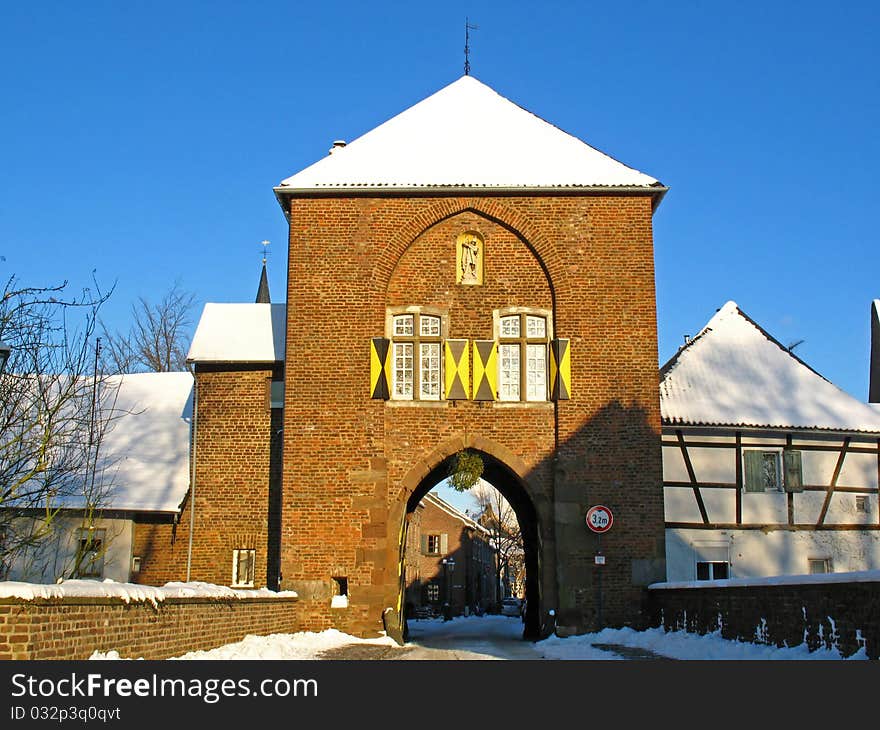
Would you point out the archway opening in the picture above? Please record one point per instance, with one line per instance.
(452, 575)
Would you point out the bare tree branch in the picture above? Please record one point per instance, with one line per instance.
(158, 338)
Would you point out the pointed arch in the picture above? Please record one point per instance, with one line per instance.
(545, 252)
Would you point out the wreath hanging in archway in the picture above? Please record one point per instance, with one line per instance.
(465, 470)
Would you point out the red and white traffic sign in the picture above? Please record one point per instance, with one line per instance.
(599, 518)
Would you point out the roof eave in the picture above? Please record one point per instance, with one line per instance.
(284, 193)
(675, 424)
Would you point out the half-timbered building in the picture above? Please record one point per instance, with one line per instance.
(768, 468)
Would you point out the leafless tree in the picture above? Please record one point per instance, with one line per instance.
(52, 413)
(158, 338)
(494, 513)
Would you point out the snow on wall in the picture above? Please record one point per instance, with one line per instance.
(130, 592)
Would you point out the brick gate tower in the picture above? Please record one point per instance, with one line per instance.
(467, 276)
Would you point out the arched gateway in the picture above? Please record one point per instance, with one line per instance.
(467, 276)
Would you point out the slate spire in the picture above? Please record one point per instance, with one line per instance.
(263, 288)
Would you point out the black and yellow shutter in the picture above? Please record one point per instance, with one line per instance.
(560, 369)
(380, 368)
(457, 367)
(485, 370)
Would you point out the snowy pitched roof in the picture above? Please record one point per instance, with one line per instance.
(734, 373)
(240, 333)
(144, 454)
(434, 499)
(467, 136)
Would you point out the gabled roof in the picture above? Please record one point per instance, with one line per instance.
(734, 373)
(433, 499)
(874, 373)
(466, 136)
(247, 333)
(144, 454)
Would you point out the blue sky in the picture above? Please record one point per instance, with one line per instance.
(143, 140)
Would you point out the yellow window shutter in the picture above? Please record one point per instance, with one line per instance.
(560, 369)
(457, 368)
(380, 368)
(485, 370)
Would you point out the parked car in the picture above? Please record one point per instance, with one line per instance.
(511, 607)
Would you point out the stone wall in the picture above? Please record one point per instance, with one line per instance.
(824, 615)
(74, 628)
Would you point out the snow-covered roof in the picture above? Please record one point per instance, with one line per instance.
(433, 499)
(466, 136)
(734, 373)
(240, 333)
(144, 454)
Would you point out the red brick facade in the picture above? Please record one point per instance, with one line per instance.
(434, 538)
(74, 628)
(352, 464)
(237, 485)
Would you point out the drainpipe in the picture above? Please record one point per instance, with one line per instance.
(192, 480)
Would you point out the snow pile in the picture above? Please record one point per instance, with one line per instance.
(499, 637)
(302, 645)
(130, 592)
(681, 645)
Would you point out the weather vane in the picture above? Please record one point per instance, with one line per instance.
(265, 250)
(467, 49)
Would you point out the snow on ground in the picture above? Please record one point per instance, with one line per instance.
(498, 637)
(302, 645)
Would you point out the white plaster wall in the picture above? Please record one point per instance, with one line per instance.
(859, 470)
(680, 505)
(674, 469)
(756, 554)
(720, 504)
(53, 558)
(713, 464)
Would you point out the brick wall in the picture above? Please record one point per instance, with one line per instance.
(824, 615)
(74, 628)
(351, 463)
(238, 478)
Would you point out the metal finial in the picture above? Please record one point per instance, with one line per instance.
(467, 48)
(265, 249)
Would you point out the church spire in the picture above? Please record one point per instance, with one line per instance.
(263, 289)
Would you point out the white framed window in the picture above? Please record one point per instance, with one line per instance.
(523, 342)
(509, 372)
(536, 372)
(403, 325)
(91, 545)
(435, 544)
(429, 370)
(402, 354)
(416, 356)
(432, 590)
(713, 570)
(243, 564)
(817, 566)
